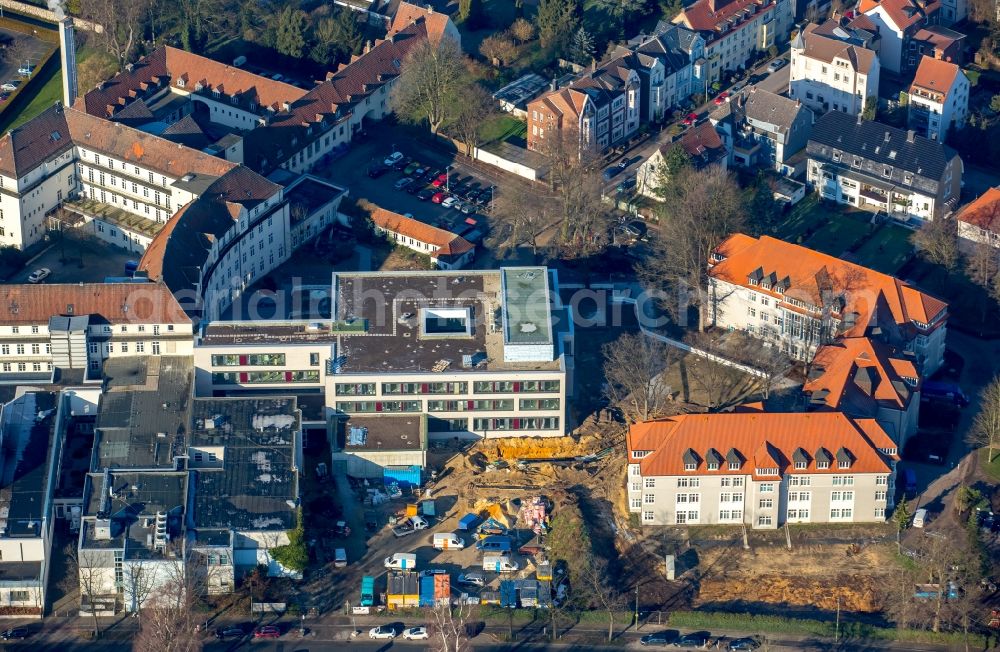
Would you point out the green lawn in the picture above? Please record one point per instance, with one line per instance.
(504, 127)
(887, 249)
(801, 218)
(840, 233)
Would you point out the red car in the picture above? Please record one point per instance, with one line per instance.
(440, 180)
(439, 197)
(268, 631)
(723, 97)
(691, 119)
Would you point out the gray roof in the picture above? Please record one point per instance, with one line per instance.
(24, 463)
(763, 106)
(677, 36)
(881, 147)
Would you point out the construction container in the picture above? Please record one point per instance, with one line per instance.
(403, 590)
(367, 591)
(427, 591)
(508, 594)
(545, 594)
(468, 522)
(442, 589)
(405, 476)
(529, 593)
(411, 510)
(543, 572)
(428, 508)
(489, 597)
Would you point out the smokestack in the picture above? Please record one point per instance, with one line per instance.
(67, 51)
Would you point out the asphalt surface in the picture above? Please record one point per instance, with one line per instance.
(34, 50)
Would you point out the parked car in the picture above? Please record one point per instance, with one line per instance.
(413, 188)
(920, 518)
(425, 194)
(401, 163)
(392, 159)
(690, 119)
(439, 197)
(420, 172)
(694, 639)
(440, 180)
(15, 634)
(757, 78)
(402, 183)
(776, 65)
(411, 168)
(659, 638)
(745, 643)
(25, 70)
(624, 163)
(722, 97)
(376, 171)
(626, 185)
(39, 275)
(4, 97)
(233, 631)
(474, 578)
(449, 202)
(416, 634)
(468, 208)
(432, 173)
(267, 631)
(382, 632)
(11, 85)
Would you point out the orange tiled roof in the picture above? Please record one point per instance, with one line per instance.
(983, 212)
(809, 274)
(706, 15)
(701, 140)
(447, 242)
(760, 440)
(824, 48)
(858, 374)
(903, 13)
(110, 303)
(935, 75)
(407, 14)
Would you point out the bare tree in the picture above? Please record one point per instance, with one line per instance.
(123, 22)
(985, 431)
(518, 217)
(18, 51)
(937, 242)
(522, 30)
(450, 623)
(169, 622)
(723, 386)
(767, 358)
(95, 569)
(700, 209)
(574, 174)
(430, 88)
(499, 49)
(593, 581)
(139, 579)
(982, 265)
(475, 110)
(634, 367)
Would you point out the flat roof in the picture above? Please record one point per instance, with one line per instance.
(133, 499)
(267, 332)
(143, 415)
(256, 485)
(312, 193)
(381, 317)
(383, 433)
(28, 423)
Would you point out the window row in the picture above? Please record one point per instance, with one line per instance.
(470, 406)
(23, 366)
(379, 406)
(526, 423)
(248, 360)
(425, 388)
(261, 377)
(514, 387)
(21, 349)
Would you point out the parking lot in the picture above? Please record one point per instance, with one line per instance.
(32, 49)
(75, 261)
(352, 170)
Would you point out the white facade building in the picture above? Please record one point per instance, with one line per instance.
(939, 99)
(826, 73)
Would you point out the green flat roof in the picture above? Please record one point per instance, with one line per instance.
(527, 305)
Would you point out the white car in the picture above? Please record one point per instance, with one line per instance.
(39, 275)
(25, 71)
(382, 632)
(449, 202)
(11, 85)
(776, 65)
(416, 634)
(392, 158)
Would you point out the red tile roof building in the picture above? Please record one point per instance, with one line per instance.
(803, 299)
(445, 249)
(898, 22)
(979, 221)
(759, 469)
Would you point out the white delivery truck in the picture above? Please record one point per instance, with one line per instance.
(499, 564)
(401, 561)
(447, 541)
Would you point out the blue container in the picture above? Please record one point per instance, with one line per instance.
(427, 591)
(404, 476)
(508, 594)
(468, 522)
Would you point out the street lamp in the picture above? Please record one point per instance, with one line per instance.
(447, 178)
(491, 198)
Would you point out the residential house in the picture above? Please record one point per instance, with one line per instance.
(939, 99)
(438, 25)
(665, 64)
(802, 299)
(763, 129)
(829, 73)
(702, 144)
(866, 379)
(760, 469)
(600, 109)
(979, 221)
(445, 249)
(941, 43)
(879, 168)
(736, 30)
(69, 330)
(897, 22)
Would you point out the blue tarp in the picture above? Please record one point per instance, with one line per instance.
(468, 522)
(404, 476)
(427, 591)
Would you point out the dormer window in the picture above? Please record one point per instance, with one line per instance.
(216, 93)
(638, 455)
(713, 466)
(767, 471)
(690, 466)
(836, 157)
(801, 465)
(180, 83)
(856, 162)
(234, 100)
(734, 466)
(887, 172)
(822, 465)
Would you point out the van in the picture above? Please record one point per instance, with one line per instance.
(499, 564)
(447, 541)
(911, 481)
(497, 544)
(920, 518)
(401, 561)
(339, 558)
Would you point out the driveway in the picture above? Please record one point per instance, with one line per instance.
(77, 261)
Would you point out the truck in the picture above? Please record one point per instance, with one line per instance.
(401, 561)
(409, 526)
(939, 390)
(500, 564)
(367, 591)
(447, 541)
(529, 593)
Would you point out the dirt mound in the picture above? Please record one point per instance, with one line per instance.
(857, 594)
(511, 448)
